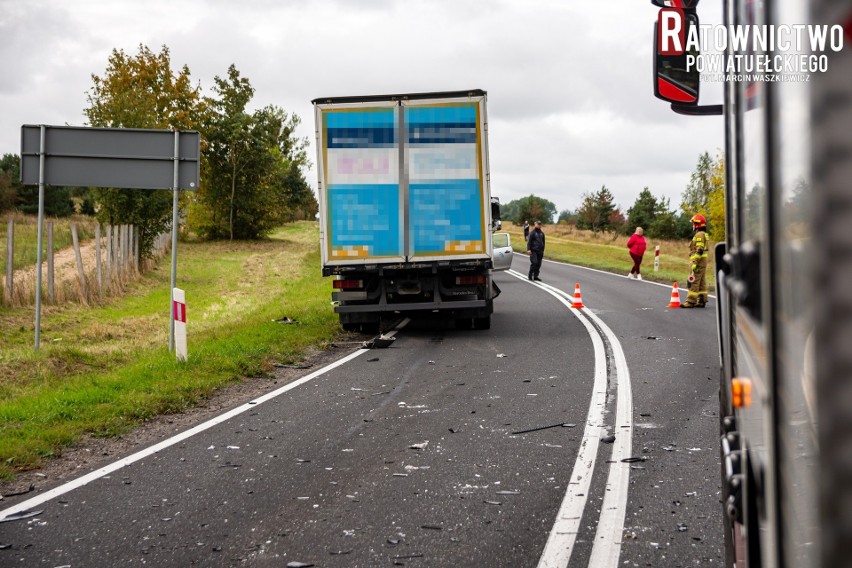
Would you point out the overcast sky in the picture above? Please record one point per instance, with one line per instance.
(570, 100)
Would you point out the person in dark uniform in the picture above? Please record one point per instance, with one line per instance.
(535, 248)
(526, 231)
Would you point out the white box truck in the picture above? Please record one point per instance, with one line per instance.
(406, 213)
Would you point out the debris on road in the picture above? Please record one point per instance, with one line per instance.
(372, 360)
(501, 355)
(682, 527)
(23, 492)
(492, 502)
(432, 527)
(608, 439)
(420, 446)
(20, 515)
(508, 492)
(299, 565)
(339, 552)
(557, 425)
(292, 366)
(379, 342)
(633, 459)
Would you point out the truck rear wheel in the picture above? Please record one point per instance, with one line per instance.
(482, 323)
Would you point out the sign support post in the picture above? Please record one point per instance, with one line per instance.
(175, 242)
(40, 252)
(657, 258)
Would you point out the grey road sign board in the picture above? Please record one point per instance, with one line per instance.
(79, 156)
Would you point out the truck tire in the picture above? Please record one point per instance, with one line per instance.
(350, 326)
(482, 323)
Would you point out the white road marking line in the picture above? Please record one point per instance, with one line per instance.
(253, 404)
(610, 530)
(606, 549)
(560, 544)
(608, 538)
(601, 271)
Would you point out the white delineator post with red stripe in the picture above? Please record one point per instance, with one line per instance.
(657, 258)
(179, 312)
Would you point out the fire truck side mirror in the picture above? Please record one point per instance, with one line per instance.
(675, 80)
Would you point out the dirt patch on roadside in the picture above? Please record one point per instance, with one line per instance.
(92, 453)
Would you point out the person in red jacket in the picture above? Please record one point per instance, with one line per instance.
(636, 245)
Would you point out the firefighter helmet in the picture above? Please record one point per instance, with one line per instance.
(699, 221)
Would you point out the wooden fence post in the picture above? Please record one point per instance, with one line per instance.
(116, 256)
(79, 258)
(10, 260)
(109, 255)
(51, 290)
(124, 243)
(98, 258)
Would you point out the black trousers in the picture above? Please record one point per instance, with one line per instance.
(535, 263)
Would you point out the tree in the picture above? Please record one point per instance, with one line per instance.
(254, 166)
(509, 211)
(716, 200)
(529, 209)
(695, 196)
(595, 211)
(142, 91)
(568, 217)
(616, 222)
(10, 175)
(705, 194)
(644, 210)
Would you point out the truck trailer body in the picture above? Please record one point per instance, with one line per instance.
(406, 213)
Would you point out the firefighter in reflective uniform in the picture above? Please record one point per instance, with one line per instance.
(696, 297)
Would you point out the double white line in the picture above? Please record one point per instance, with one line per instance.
(608, 536)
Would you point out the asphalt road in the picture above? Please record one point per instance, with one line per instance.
(412, 455)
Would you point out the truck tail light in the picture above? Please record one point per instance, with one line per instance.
(348, 284)
(468, 280)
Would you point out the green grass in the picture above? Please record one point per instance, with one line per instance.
(26, 237)
(103, 370)
(602, 253)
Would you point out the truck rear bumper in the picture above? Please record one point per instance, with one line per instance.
(412, 306)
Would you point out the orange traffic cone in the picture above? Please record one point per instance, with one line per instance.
(675, 301)
(578, 299)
